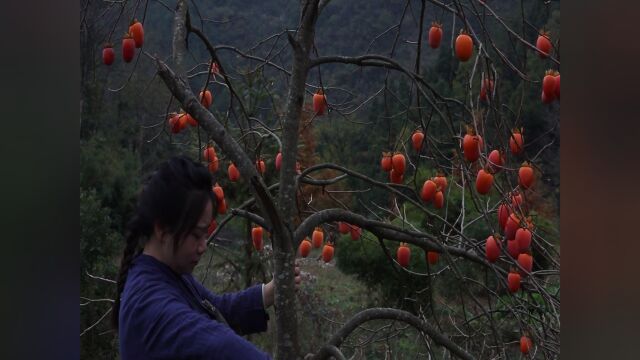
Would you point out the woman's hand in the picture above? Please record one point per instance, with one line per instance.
(269, 289)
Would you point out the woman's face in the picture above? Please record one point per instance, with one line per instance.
(193, 245)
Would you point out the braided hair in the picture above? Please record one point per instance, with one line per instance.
(174, 197)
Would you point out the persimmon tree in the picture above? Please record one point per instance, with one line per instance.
(482, 157)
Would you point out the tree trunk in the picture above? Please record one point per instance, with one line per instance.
(284, 249)
(179, 45)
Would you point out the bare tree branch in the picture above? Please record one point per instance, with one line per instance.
(391, 314)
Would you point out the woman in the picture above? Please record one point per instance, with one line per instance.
(161, 311)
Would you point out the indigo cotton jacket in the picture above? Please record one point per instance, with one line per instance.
(160, 317)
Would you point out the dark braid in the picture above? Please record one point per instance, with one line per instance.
(132, 248)
(173, 196)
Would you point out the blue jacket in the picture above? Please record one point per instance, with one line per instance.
(160, 318)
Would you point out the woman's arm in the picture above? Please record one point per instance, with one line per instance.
(172, 330)
(244, 310)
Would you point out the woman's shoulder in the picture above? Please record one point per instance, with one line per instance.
(149, 283)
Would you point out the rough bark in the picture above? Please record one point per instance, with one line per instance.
(284, 251)
(178, 44)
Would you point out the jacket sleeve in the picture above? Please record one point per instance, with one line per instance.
(177, 331)
(243, 310)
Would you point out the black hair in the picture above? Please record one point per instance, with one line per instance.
(174, 197)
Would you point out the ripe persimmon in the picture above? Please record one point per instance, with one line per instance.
(343, 227)
(471, 145)
(218, 192)
(464, 46)
(525, 175)
(305, 248)
(319, 103)
(438, 200)
(396, 177)
(403, 254)
(355, 232)
(435, 35)
(492, 249)
(513, 281)
(222, 207)
(206, 99)
(543, 44)
(108, 55)
(385, 162)
(398, 163)
(416, 140)
(516, 200)
(484, 180)
(516, 142)
(525, 344)
(503, 215)
(256, 236)
(523, 237)
(317, 237)
(278, 161)
(234, 174)
(327, 252)
(526, 261)
(513, 248)
(213, 165)
(261, 166)
(441, 180)
(209, 153)
(137, 32)
(549, 85)
(512, 225)
(496, 161)
(128, 48)
(428, 190)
